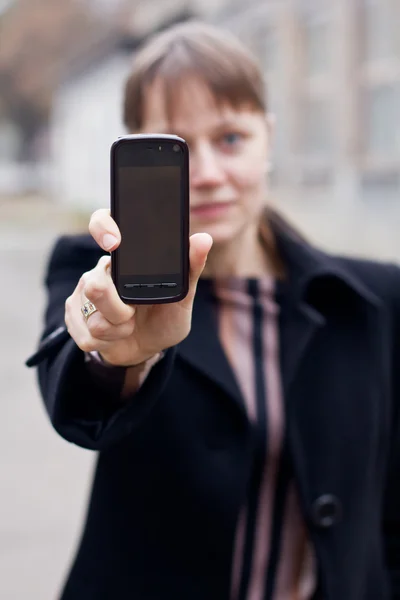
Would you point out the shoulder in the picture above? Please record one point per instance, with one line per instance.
(382, 279)
(72, 253)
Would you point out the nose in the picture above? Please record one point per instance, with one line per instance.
(205, 168)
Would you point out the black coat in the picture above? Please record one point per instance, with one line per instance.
(175, 461)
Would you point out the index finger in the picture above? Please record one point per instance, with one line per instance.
(98, 287)
(104, 230)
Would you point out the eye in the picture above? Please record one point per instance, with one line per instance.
(232, 138)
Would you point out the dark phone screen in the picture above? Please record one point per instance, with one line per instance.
(149, 208)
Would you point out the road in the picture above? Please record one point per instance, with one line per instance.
(43, 479)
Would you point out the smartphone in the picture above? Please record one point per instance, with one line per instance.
(150, 204)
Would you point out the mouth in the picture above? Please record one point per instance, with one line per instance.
(211, 209)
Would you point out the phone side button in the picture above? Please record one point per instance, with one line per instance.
(169, 285)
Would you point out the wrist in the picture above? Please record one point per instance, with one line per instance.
(135, 375)
(102, 372)
(153, 358)
(129, 378)
(99, 358)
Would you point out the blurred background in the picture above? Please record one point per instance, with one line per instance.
(333, 75)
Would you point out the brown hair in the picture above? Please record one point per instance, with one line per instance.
(228, 69)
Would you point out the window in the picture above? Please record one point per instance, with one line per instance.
(5, 5)
(316, 110)
(317, 131)
(317, 45)
(380, 28)
(10, 141)
(383, 188)
(379, 89)
(270, 49)
(262, 40)
(382, 120)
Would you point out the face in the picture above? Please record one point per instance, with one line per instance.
(228, 158)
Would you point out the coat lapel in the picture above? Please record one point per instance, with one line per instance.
(298, 328)
(335, 391)
(334, 360)
(314, 280)
(202, 348)
(317, 290)
(332, 306)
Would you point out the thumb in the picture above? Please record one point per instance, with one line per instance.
(200, 245)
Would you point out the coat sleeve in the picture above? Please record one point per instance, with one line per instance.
(391, 515)
(83, 410)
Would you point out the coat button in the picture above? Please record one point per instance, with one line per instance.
(326, 511)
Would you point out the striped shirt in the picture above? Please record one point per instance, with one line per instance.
(272, 557)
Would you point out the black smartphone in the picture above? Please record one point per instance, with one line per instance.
(150, 204)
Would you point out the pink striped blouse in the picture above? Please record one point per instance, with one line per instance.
(272, 557)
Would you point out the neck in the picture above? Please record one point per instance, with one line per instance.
(244, 256)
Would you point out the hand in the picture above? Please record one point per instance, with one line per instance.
(123, 334)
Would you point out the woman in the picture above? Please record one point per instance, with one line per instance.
(248, 436)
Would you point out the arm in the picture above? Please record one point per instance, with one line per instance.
(81, 407)
(391, 516)
(133, 377)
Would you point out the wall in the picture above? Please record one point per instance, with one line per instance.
(85, 122)
(333, 79)
(333, 76)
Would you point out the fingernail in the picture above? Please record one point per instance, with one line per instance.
(109, 241)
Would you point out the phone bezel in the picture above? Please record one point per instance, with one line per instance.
(154, 295)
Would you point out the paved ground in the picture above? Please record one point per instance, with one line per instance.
(43, 479)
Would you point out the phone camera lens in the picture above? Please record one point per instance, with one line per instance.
(176, 148)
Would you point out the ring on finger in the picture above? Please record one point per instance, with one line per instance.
(88, 309)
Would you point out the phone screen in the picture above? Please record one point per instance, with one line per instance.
(150, 204)
(149, 207)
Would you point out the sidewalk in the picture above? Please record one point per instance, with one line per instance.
(43, 479)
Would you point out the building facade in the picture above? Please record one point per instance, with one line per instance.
(333, 81)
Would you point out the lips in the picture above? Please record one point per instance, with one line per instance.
(211, 209)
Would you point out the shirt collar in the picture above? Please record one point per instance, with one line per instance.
(307, 266)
